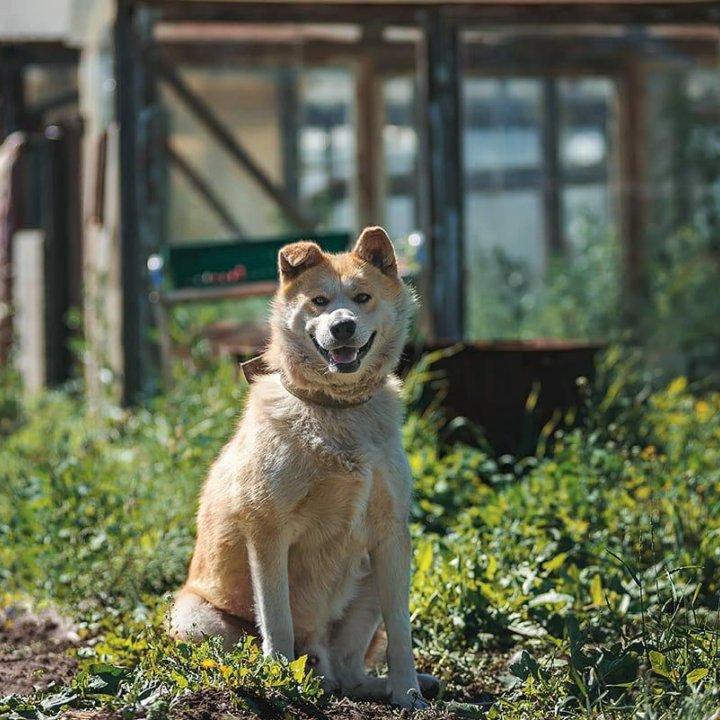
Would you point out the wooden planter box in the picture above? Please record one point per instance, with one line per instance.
(490, 383)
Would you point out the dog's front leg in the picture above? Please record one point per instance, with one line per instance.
(269, 573)
(391, 563)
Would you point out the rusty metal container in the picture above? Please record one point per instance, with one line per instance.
(512, 390)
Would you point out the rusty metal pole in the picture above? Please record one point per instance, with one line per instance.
(441, 73)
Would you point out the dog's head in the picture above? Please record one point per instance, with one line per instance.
(339, 322)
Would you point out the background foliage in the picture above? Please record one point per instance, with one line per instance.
(588, 580)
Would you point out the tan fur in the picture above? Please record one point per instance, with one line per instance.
(302, 525)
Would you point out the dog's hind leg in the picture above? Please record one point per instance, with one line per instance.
(353, 646)
(193, 619)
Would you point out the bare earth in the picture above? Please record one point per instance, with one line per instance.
(34, 653)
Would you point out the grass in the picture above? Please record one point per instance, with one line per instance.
(578, 583)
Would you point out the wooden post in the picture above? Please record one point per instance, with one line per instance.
(29, 298)
(135, 305)
(445, 232)
(369, 140)
(631, 130)
(57, 256)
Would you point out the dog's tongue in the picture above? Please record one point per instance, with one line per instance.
(343, 355)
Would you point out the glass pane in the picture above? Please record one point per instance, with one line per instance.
(503, 214)
(613, 133)
(254, 122)
(401, 177)
(540, 206)
(501, 124)
(327, 147)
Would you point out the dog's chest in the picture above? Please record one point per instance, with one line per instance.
(334, 511)
(349, 444)
(344, 458)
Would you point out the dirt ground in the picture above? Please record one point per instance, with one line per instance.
(34, 653)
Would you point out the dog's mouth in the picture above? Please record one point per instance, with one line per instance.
(344, 359)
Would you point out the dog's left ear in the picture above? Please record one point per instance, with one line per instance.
(297, 257)
(374, 246)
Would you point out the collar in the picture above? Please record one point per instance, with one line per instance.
(257, 367)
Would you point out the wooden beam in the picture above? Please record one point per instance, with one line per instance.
(581, 12)
(203, 189)
(520, 178)
(40, 53)
(99, 179)
(213, 294)
(55, 207)
(441, 74)
(394, 57)
(225, 137)
(71, 97)
(491, 53)
(533, 55)
(665, 12)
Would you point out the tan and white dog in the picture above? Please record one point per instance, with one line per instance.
(302, 529)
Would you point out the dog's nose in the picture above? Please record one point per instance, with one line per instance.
(343, 329)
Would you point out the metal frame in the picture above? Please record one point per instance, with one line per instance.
(224, 136)
(445, 228)
(442, 176)
(137, 372)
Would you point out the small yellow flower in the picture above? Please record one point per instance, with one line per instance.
(649, 452)
(702, 408)
(208, 664)
(225, 670)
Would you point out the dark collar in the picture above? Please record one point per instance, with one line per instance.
(256, 367)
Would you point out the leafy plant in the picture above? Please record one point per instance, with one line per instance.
(580, 583)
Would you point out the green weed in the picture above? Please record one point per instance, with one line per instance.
(595, 566)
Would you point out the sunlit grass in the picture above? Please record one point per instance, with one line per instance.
(599, 561)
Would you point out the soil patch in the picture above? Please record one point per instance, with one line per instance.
(215, 704)
(33, 651)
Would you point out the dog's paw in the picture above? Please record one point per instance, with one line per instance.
(411, 700)
(429, 685)
(330, 685)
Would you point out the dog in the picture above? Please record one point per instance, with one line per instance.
(302, 529)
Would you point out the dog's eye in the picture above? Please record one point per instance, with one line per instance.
(320, 301)
(362, 298)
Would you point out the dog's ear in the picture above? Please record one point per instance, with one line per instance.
(374, 246)
(298, 257)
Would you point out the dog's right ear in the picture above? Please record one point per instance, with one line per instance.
(298, 257)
